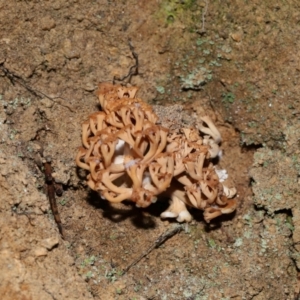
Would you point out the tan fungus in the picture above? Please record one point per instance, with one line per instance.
(129, 156)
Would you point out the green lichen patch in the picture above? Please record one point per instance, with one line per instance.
(171, 10)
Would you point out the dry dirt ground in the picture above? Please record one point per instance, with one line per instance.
(237, 61)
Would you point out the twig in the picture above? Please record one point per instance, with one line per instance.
(15, 78)
(134, 70)
(203, 16)
(161, 239)
(51, 194)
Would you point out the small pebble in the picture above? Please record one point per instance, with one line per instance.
(47, 23)
(50, 243)
(47, 102)
(40, 251)
(237, 36)
(89, 87)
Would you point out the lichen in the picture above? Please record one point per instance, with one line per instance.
(196, 79)
(275, 175)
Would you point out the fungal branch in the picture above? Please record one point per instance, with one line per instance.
(129, 156)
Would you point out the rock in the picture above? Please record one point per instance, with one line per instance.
(40, 251)
(47, 102)
(237, 36)
(50, 243)
(89, 87)
(47, 23)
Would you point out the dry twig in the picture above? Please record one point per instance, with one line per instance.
(203, 16)
(13, 78)
(133, 69)
(51, 194)
(161, 239)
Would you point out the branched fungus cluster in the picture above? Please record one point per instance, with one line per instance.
(129, 156)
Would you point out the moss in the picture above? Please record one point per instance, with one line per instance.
(172, 10)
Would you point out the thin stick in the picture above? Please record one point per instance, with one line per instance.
(51, 195)
(203, 16)
(161, 239)
(15, 78)
(133, 71)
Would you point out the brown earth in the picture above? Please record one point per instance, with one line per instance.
(234, 60)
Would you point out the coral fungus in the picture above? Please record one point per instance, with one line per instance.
(130, 156)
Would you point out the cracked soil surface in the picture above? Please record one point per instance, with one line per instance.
(237, 61)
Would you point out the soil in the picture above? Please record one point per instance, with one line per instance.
(236, 61)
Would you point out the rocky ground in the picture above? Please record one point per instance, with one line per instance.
(234, 60)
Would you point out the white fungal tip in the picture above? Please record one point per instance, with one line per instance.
(168, 214)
